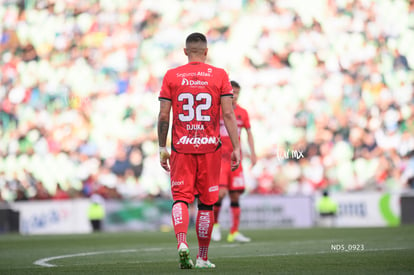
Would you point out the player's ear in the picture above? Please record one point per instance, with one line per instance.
(185, 51)
(205, 52)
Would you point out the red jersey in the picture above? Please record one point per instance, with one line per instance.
(195, 90)
(243, 121)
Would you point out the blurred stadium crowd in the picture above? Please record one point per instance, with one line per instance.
(331, 79)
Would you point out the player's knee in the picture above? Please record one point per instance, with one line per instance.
(235, 195)
(234, 204)
(202, 206)
(186, 203)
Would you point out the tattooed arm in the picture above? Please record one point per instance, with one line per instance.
(163, 125)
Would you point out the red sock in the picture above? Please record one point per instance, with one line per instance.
(180, 219)
(216, 210)
(204, 226)
(235, 211)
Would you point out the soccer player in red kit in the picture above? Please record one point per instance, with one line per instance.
(195, 92)
(232, 182)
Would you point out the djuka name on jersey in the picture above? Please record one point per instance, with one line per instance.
(195, 127)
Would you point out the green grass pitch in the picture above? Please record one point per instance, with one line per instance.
(276, 251)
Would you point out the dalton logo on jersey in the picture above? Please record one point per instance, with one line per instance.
(186, 82)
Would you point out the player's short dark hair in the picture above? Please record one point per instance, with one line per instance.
(196, 37)
(234, 84)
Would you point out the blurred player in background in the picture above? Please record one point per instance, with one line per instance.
(195, 92)
(232, 182)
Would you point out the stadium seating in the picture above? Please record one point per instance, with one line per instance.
(80, 81)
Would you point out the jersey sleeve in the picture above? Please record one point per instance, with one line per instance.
(226, 88)
(165, 93)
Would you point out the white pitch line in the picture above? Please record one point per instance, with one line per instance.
(44, 262)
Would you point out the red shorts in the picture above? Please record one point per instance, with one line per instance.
(195, 174)
(232, 180)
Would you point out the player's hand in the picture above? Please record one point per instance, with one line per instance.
(235, 159)
(165, 159)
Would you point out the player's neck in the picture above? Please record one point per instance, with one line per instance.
(196, 60)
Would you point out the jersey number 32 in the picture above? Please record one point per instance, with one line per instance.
(197, 111)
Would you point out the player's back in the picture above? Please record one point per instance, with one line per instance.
(195, 90)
